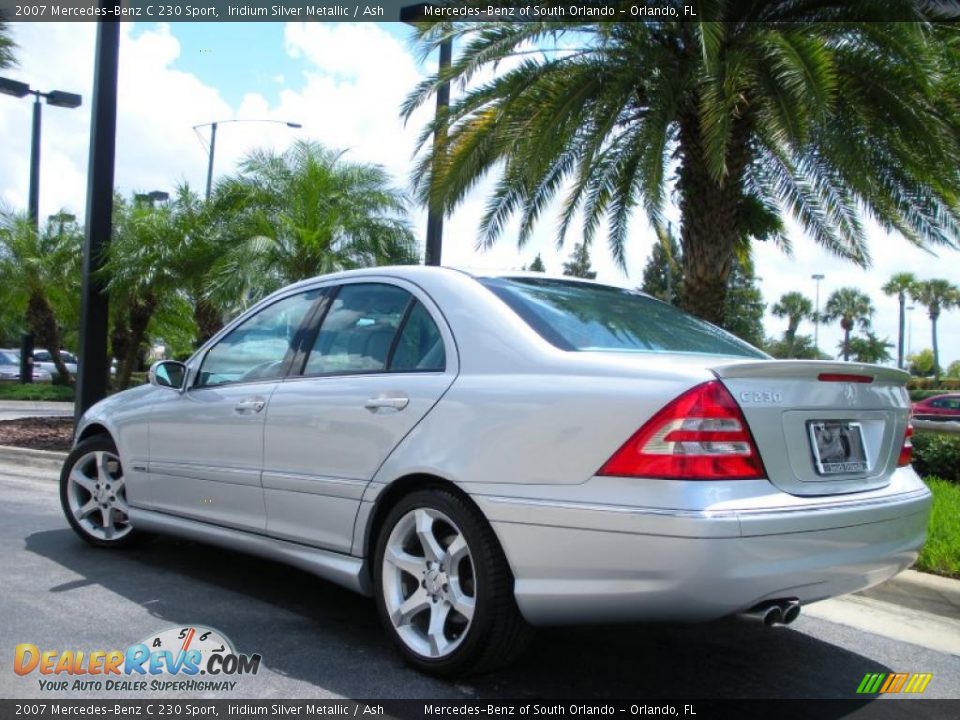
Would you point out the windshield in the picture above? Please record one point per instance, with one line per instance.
(587, 317)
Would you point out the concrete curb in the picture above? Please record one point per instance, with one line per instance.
(28, 405)
(916, 590)
(44, 459)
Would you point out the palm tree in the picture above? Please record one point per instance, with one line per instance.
(796, 307)
(302, 213)
(756, 110)
(869, 348)
(851, 307)
(40, 271)
(899, 285)
(937, 296)
(7, 58)
(141, 275)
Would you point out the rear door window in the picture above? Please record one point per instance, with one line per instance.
(580, 316)
(358, 331)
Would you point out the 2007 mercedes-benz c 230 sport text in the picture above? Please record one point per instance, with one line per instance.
(488, 452)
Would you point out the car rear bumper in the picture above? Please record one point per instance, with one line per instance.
(577, 562)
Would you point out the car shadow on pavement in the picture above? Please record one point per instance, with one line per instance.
(312, 631)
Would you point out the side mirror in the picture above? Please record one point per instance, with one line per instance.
(168, 373)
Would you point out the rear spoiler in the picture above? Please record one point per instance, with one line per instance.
(809, 369)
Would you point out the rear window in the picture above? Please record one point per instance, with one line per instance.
(587, 317)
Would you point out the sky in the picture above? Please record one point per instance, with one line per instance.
(344, 84)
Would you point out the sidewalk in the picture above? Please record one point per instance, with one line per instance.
(16, 409)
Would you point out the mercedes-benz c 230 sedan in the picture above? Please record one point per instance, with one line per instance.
(484, 453)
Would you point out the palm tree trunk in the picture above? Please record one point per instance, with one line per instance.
(141, 312)
(43, 324)
(846, 344)
(936, 350)
(903, 320)
(209, 321)
(709, 225)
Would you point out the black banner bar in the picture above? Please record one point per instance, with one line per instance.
(872, 708)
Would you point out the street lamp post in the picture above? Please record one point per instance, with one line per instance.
(57, 98)
(213, 142)
(816, 315)
(412, 14)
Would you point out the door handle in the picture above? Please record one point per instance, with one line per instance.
(396, 402)
(250, 405)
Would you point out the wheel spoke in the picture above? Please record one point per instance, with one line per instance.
(78, 478)
(404, 561)
(438, 618)
(462, 603)
(456, 551)
(103, 474)
(86, 509)
(411, 607)
(431, 546)
(121, 506)
(119, 485)
(106, 515)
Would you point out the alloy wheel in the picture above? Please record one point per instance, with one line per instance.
(429, 582)
(96, 495)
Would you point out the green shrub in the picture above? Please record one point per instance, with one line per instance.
(929, 384)
(36, 392)
(917, 395)
(941, 553)
(937, 454)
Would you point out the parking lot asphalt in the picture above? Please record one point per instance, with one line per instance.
(319, 641)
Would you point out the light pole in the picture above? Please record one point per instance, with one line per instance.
(57, 98)
(212, 149)
(412, 14)
(94, 367)
(816, 315)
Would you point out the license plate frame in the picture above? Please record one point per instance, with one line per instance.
(838, 447)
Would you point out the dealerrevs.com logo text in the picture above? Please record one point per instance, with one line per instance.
(172, 660)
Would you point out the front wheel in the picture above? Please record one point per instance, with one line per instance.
(93, 493)
(444, 589)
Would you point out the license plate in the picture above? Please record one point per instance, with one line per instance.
(838, 447)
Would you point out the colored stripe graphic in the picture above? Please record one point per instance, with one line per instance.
(870, 683)
(918, 683)
(894, 683)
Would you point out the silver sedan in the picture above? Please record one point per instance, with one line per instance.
(484, 453)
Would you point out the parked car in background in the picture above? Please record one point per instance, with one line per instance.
(44, 360)
(938, 407)
(10, 368)
(486, 452)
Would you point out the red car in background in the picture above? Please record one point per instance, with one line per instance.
(938, 407)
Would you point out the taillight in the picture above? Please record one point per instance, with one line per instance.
(702, 435)
(906, 452)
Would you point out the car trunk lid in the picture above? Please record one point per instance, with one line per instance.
(822, 427)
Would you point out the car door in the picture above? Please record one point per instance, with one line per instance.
(379, 360)
(206, 443)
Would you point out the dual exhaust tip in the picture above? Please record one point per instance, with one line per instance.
(774, 612)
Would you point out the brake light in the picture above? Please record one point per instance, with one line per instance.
(906, 452)
(701, 435)
(844, 377)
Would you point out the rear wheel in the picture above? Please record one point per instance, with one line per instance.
(444, 589)
(93, 493)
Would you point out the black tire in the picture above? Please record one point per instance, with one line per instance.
(497, 634)
(79, 458)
